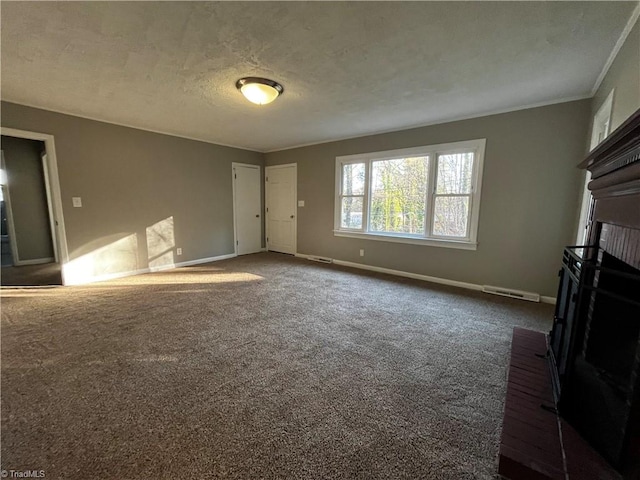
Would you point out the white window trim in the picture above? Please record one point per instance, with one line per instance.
(602, 121)
(469, 243)
(601, 128)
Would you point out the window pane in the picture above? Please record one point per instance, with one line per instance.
(398, 193)
(353, 179)
(351, 212)
(450, 216)
(454, 173)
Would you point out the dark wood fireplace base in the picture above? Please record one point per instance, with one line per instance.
(536, 444)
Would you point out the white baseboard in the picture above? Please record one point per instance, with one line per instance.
(161, 268)
(198, 261)
(34, 261)
(416, 276)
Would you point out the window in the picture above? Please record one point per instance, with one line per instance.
(599, 132)
(602, 121)
(426, 195)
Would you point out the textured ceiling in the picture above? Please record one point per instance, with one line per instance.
(348, 68)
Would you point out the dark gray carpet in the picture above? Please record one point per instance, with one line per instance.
(264, 366)
(45, 274)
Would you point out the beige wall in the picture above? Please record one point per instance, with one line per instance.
(25, 181)
(528, 206)
(624, 77)
(143, 194)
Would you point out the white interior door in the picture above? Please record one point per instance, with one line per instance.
(280, 190)
(246, 208)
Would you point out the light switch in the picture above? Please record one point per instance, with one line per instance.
(301, 203)
(77, 201)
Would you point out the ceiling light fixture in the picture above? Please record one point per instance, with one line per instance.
(259, 90)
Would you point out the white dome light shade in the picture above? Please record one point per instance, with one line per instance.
(258, 93)
(259, 90)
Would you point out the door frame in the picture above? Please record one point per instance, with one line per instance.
(54, 195)
(295, 200)
(52, 221)
(600, 129)
(233, 193)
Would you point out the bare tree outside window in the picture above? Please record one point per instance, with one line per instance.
(353, 184)
(453, 194)
(398, 193)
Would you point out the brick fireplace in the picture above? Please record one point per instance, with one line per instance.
(595, 341)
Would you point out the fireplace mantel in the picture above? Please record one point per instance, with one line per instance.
(615, 184)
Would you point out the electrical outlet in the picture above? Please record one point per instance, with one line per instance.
(178, 251)
(77, 202)
(362, 252)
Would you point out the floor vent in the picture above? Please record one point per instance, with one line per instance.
(319, 259)
(507, 292)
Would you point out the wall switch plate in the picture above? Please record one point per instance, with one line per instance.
(301, 203)
(77, 201)
(178, 251)
(362, 252)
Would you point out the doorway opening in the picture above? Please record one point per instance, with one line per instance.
(30, 223)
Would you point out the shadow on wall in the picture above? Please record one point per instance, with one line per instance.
(122, 255)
